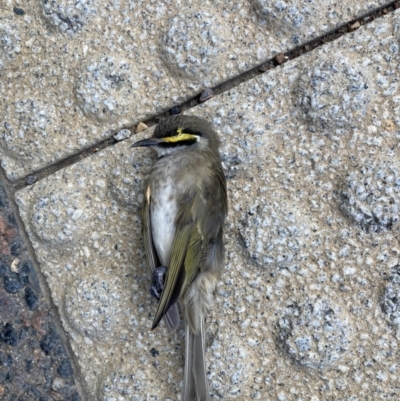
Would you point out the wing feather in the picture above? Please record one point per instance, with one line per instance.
(152, 260)
(171, 317)
(174, 273)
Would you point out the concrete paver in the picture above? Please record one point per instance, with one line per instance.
(307, 306)
(73, 73)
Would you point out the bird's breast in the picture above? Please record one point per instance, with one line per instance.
(163, 213)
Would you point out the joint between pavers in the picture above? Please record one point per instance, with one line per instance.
(276, 61)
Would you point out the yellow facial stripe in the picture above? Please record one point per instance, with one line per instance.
(182, 136)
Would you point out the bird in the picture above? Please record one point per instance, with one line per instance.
(184, 209)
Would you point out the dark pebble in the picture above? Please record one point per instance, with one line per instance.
(26, 268)
(24, 272)
(3, 269)
(29, 365)
(10, 375)
(35, 392)
(31, 179)
(12, 220)
(14, 248)
(9, 335)
(295, 39)
(47, 376)
(59, 351)
(12, 283)
(45, 398)
(24, 279)
(65, 369)
(76, 397)
(24, 333)
(49, 342)
(175, 110)
(27, 333)
(154, 352)
(6, 305)
(6, 360)
(206, 94)
(33, 343)
(31, 298)
(265, 67)
(19, 11)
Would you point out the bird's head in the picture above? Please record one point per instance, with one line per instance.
(181, 133)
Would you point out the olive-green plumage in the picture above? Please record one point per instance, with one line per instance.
(184, 210)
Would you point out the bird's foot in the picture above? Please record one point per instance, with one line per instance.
(157, 282)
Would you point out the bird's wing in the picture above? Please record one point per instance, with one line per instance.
(152, 260)
(200, 219)
(215, 198)
(177, 279)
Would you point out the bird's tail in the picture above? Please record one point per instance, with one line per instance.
(195, 386)
(171, 318)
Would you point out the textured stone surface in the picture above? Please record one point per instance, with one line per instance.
(314, 333)
(390, 300)
(75, 72)
(371, 196)
(10, 43)
(307, 306)
(192, 43)
(285, 15)
(32, 356)
(68, 16)
(335, 93)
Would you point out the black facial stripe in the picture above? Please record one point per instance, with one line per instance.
(175, 144)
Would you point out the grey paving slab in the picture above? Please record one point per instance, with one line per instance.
(308, 306)
(73, 73)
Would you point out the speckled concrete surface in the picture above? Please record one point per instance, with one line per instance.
(73, 72)
(308, 306)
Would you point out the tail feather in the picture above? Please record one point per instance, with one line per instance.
(171, 318)
(195, 387)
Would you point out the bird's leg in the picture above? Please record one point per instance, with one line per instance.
(157, 282)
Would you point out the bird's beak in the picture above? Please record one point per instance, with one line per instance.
(148, 142)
